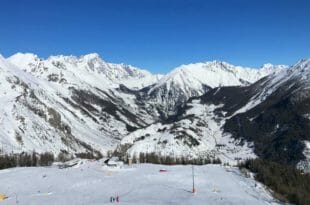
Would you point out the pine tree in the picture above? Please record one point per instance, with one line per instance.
(34, 159)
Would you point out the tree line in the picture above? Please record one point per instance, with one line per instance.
(26, 160)
(34, 159)
(155, 158)
(288, 183)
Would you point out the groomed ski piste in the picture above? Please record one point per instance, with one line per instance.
(90, 182)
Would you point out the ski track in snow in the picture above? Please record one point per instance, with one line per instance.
(91, 183)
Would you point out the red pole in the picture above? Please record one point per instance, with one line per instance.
(194, 190)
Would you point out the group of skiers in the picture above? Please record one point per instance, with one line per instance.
(114, 199)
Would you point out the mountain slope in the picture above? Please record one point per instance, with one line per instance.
(88, 68)
(191, 80)
(273, 113)
(279, 123)
(214, 109)
(63, 112)
(269, 119)
(195, 132)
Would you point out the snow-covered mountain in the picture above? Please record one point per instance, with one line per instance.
(192, 80)
(194, 133)
(214, 74)
(89, 69)
(66, 103)
(213, 109)
(276, 116)
(156, 94)
(268, 119)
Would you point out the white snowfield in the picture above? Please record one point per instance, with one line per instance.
(142, 184)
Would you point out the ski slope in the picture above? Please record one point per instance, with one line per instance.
(143, 184)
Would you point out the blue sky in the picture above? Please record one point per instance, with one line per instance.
(159, 34)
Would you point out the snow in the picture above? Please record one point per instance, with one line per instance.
(23, 74)
(215, 74)
(305, 164)
(24, 60)
(53, 80)
(195, 79)
(88, 182)
(298, 73)
(164, 140)
(88, 68)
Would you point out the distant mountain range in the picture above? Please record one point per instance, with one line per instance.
(212, 109)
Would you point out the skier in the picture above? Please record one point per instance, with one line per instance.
(112, 199)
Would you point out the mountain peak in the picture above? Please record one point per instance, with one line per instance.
(20, 57)
(24, 60)
(215, 73)
(91, 57)
(303, 62)
(302, 68)
(269, 66)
